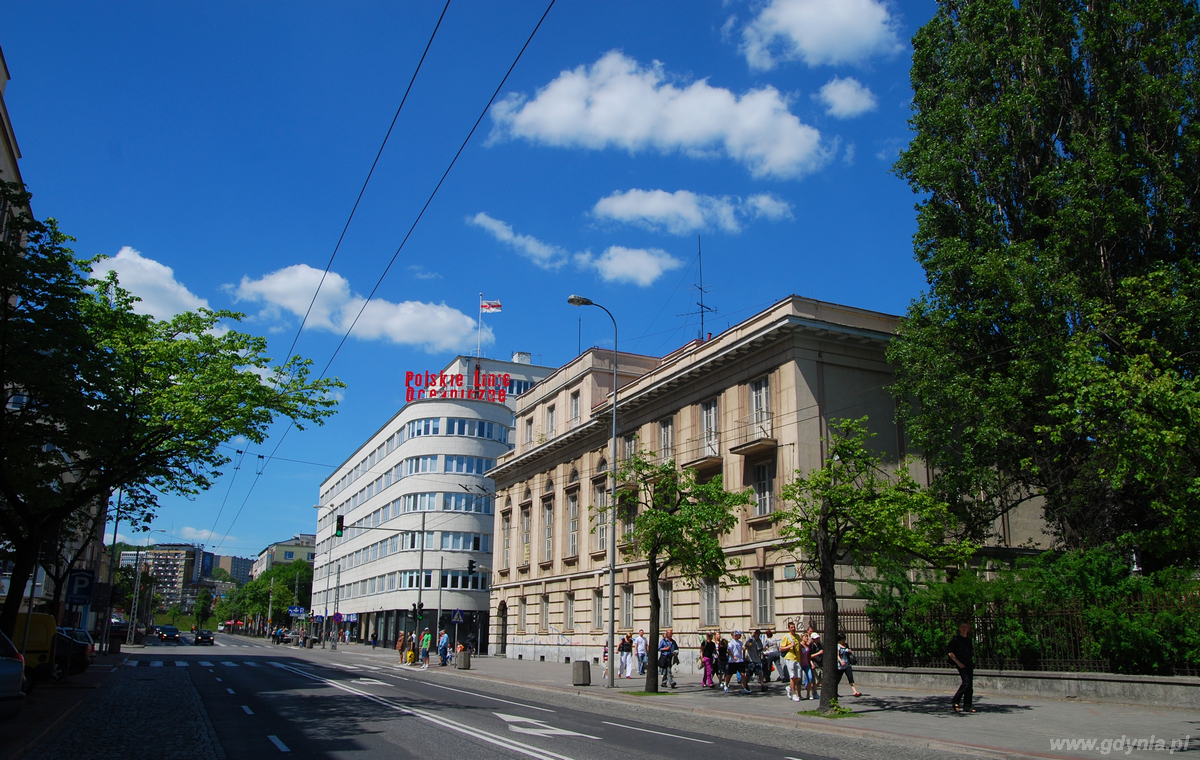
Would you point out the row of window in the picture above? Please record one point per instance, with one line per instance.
(450, 541)
(575, 618)
(415, 429)
(413, 502)
(410, 579)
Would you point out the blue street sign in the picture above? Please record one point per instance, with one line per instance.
(79, 586)
(456, 616)
(318, 618)
(295, 611)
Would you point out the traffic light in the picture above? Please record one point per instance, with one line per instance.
(470, 566)
(341, 526)
(420, 607)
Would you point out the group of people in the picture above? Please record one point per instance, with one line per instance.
(414, 648)
(282, 635)
(631, 649)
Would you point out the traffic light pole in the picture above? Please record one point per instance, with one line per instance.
(337, 593)
(421, 575)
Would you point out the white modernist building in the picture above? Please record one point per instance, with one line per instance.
(417, 510)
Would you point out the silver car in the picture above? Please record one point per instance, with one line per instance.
(12, 674)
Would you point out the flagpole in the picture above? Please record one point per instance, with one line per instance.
(479, 329)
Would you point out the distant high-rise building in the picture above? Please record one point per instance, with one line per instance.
(238, 567)
(300, 546)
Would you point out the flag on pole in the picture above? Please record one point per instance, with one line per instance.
(489, 307)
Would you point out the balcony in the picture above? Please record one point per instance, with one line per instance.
(754, 435)
(702, 453)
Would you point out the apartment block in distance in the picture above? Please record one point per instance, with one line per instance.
(300, 546)
(239, 568)
(754, 405)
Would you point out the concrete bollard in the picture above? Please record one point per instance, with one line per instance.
(462, 660)
(581, 673)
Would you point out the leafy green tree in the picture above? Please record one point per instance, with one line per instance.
(221, 574)
(1055, 154)
(174, 612)
(203, 608)
(678, 524)
(856, 510)
(98, 397)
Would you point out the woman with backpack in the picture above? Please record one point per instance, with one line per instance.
(845, 663)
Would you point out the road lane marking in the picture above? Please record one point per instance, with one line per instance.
(537, 727)
(660, 733)
(275, 740)
(156, 663)
(205, 664)
(369, 682)
(181, 663)
(218, 680)
(132, 663)
(278, 664)
(253, 664)
(230, 664)
(229, 690)
(247, 709)
(481, 696)
(462, 728)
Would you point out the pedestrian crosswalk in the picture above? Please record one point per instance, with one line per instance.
(131, 663)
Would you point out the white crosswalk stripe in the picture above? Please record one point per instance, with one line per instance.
(230, 664)
(278, 665)
(156, 663)
(254, 664)
(205, 664)
(181, 663)
(132, 663)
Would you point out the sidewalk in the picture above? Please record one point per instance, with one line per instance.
(1004, 726)
(51, 706)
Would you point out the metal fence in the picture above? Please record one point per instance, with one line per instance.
(1150, 635)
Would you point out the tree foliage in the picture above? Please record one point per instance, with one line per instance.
(257, 597)
(1057, 153)
(100, 398)
(678, 526)
(855, 510)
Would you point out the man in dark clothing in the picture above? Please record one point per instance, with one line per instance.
(962, 654)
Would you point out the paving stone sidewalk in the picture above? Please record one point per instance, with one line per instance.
(138, 714)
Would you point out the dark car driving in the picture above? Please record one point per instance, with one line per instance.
(168, 633)
(204, 636)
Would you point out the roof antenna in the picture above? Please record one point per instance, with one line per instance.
(703, 309)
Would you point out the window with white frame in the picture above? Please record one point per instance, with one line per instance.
(464, 581)
(764, 598)
(466, 542)
(467, 502)
(529, 430)
(575, 406)
(550, 421)
(522, 614)
(417, 465)
(469, 465)
(569, 612)
(413, 540)
(710, 603)
(666, 439)
(760, 400)
(506, 531)
(627, 607)
(572, 524)
(666, 602)
(600, 508)
(420, 502)
(476, 429)
(417, 428)
(544, 613)
(599, 609)
(764, 488)
(547, 530)
(525, 530)
(409, 578)
(628, 447)
(710, 426)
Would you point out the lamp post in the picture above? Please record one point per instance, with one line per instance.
(612, 506)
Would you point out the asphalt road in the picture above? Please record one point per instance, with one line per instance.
(266, 701)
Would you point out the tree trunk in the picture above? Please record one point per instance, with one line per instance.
(652, 572)
(24, 561)
(827, 581)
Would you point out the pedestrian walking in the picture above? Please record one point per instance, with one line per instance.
(401, 646)
(754, 661)
(807, 681)
(625, 650)
(426, 643)
(668, 653)
(640, 646)
(845, 663)
(722, 659)
(962, 654)
(708, 656)
(816, 656)
(791, 645)
(771, 655)
(737, 662)
(443, 647)
(604, 659)
(374, 640)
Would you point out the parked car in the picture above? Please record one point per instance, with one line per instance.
(71, 655)
(220, 627)
(38, 646)
(168, 633)
(204, 636)
(12, 678)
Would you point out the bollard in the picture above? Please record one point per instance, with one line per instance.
(462, 660)
(581, 673)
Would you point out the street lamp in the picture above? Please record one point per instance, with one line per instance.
(137, 583)
(612, 507)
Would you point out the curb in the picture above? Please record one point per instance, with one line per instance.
(45, 734)
(804, 724)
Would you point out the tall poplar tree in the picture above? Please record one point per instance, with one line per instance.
(1053, 359)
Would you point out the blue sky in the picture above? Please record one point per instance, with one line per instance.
(216, 151)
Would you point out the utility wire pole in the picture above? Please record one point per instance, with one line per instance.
(337, 593)
(270, 604)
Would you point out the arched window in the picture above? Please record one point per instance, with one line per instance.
(574, 477)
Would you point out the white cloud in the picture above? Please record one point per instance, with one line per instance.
(436, 327)
(162, 295)
(617, 102)
(200, 534)
(848, 157)
(640, 266)
(421, 273)
(820, 32)
(846, 98)
(545, 255)
(683, 212)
